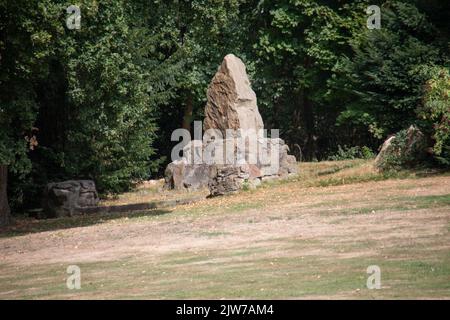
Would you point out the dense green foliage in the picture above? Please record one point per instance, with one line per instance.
(384, 77)
(436, 110)
(101, 102)
(191, 39)
(83, 94)
(351, 153)
(296, 48)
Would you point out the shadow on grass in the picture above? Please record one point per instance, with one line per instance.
(23, 226)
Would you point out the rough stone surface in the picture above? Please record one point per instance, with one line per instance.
(64, 198)
(414, 149)
(228, 179)
(181, 175)
(231, 101)
(225, 164)
(416, 142)
(386, 149)
(189, 172)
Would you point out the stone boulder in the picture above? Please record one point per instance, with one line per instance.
(416, 143)
(66, 199)
(228, 179)
(281, 167)
(405, 149)
(385, 150)
(182, 175)
(190, 172)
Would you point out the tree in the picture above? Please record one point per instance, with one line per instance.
(191, 39)
(4, 206)
(436, 111)
(87, 96)
(382, 79)
(23, 59)
(296, 48)
(110, 118)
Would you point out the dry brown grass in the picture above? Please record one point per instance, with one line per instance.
(150, 193)
(311, 237)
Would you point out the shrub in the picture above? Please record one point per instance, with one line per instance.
(436, 110)
(350, 153)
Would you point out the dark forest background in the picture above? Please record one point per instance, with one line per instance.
(101, 102)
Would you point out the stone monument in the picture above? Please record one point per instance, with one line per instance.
(246, 156)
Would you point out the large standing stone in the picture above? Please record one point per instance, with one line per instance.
(246, 156)
(231, 101)
(67, 198)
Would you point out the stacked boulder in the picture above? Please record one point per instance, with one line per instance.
(68, 198)
(234, 151)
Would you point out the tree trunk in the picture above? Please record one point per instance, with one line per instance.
(4, 206)
(310, 126)
(188, 112)
(308, 114)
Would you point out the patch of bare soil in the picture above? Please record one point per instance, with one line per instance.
(326, 219)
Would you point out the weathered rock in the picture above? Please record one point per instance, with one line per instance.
(174, 174)
(228, 179)
(231, 101)
(385, 150)
(409, 152)
(197, 176)
(190, 172)
(65, 198)
(282, 164)
(227, 163)
(182, 175)
(253, 171)
(88, 194)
